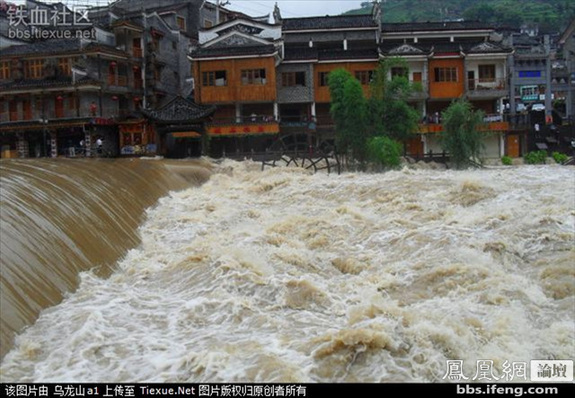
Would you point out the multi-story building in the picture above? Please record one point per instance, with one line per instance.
(314, 47)
(113, 62)
(567, 45)
(235, 69)
(450, 60)
(271, 78)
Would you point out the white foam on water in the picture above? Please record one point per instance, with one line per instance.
(285, 276)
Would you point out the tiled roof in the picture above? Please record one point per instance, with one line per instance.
(180, 110)
(45, 83)
(56, 46)
(367, 54)
(328, 22)
(300, 54)
(233, 51)
(399, 49)
(454, 47)
(427, 26)
(313, 54)
(43, 47)
(484, 47)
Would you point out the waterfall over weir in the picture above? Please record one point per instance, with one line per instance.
(61, 217)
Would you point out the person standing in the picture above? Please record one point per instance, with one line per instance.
(99, 144)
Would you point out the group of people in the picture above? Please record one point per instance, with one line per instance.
(99, 145)
(434, 118)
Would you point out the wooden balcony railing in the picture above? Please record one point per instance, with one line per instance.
(244, 125)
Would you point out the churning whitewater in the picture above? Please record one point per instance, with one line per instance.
(286, 276)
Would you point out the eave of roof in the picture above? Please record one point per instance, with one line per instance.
(342, 22)
(180, 110)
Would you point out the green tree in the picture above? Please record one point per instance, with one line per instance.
(349, 112)
(389, 110)
(461, 137)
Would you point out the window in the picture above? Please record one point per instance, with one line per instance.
(364, 76)
(486, 73)
(71, 102)
(208, 23)
(26, 110)
(64, 66)
(4, 70)
(291, 79)
(137, 47)
(181, 21)
(112, 74)
(323, 79)
(33, 69)
(253, 76)
(445, 75)
(13, 109)
(398, 71)
(215, 78)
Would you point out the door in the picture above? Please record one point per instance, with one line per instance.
(471, 79)
(513, 145)
(59, 107)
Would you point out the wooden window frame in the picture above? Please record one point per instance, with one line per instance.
(364, 76)
(210, 78)
(65, 66)
(446, 75)
(34, 69)
(293, 79)
(487, 73)
(323, 79)
(254, 77)
(5, 72)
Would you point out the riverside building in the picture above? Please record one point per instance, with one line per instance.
(251, 79)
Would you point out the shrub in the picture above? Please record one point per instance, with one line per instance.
(536, 157)
(506, 160)
(385, 151)
(560, 157)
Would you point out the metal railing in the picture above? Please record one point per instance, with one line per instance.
(244, 120)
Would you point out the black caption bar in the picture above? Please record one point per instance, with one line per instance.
(272, 390)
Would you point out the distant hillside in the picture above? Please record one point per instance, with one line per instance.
(551, 15)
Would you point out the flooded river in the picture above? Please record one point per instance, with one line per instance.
(283, 275)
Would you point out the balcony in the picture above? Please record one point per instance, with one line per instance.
(62, 114)
(491, 123)
(242, 126)
(486, 88)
